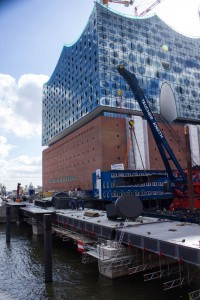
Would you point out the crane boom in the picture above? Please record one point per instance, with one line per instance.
(150, 7)
(160, 140)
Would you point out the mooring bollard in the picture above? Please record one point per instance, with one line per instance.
(7, 224)
(47, 248)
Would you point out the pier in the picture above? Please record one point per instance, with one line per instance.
(157, 247)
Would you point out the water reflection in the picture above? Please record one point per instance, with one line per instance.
(22, 274)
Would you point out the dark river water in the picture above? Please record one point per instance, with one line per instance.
(22, 274)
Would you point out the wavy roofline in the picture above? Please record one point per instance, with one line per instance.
(96, 2)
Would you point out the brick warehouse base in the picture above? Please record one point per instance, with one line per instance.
(69, 163)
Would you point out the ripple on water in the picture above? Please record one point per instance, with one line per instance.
(22, 274)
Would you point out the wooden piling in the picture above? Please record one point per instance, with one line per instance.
(7, 224)
(47, 248)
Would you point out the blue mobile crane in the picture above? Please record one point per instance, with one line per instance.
(179, 184)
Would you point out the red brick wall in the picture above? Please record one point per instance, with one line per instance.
(113, 142)
(155, 160)
(96, 145)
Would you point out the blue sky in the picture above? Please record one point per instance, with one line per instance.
(33, 33)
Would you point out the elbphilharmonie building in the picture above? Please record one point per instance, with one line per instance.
(87, 105)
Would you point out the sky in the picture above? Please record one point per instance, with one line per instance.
(32, 35)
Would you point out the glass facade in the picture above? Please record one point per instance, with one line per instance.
(86, 76)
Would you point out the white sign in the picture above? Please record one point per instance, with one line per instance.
(117, 167)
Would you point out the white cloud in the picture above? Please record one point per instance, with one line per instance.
(7, 90)
(30, 97)
(20, 115)
(21, 104)
(21, 169)
(4, 147)
(181, 15)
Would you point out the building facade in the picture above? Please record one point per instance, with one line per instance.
(84, 121)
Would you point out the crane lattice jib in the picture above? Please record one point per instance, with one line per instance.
(150, 8)
(160, 140)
